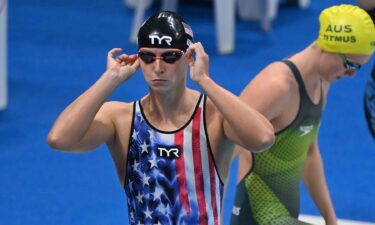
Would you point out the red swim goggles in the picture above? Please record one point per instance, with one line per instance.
(168, 57)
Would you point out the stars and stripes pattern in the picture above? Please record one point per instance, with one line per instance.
(171, 176)
(188, 29)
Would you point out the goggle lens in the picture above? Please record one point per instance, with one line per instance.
(168, 57)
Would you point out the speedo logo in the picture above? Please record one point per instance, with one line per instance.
(171, 153)
(305, 129)
(236, 210)
(159, 40)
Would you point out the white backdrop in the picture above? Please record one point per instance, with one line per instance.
(3, 54)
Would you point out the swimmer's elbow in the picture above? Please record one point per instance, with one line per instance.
(264, 142)
(58, 142)
(55, 141)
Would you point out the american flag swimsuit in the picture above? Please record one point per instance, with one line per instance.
(171, 177)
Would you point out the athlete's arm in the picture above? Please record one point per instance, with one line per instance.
(252, 130)
(315, 182)
(268, 93)
(86, 122)
(314, 178)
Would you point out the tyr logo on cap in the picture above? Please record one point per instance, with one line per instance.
(167, 39)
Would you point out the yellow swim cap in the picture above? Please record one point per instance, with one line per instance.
(346, 29)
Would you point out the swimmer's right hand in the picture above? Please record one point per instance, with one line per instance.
(122, 67)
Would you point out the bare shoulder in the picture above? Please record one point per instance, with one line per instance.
(116, 108)
(276, 77)
(272, 86)
(119, 113)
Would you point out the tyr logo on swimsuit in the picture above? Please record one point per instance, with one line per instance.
(172, 152)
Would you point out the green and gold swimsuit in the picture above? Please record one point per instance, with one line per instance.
(269, 193)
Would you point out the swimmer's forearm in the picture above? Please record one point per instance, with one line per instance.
(315, 181)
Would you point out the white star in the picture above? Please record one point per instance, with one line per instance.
(162, 209)
(158, 192)
(139, 197)
(135, 166)
(132, 216)
(145, 179)
(152, 135)
(153, 162)
(147, 213)
(144, 147)
(135, 135)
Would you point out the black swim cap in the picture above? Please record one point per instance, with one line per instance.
(165, 30)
